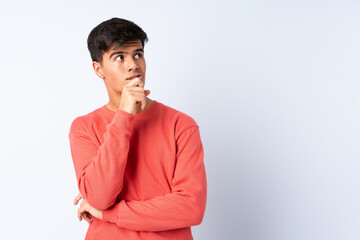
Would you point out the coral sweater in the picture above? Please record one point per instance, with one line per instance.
(145, 171)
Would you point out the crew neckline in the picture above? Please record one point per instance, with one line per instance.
(154, 106)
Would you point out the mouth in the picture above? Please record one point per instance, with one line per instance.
(134, 76)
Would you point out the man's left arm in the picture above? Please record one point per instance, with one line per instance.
(183, 207)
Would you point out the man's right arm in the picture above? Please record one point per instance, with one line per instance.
(100, 169)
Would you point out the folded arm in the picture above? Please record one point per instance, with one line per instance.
(183, 207)
(100, 169)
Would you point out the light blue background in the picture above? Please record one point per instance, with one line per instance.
(273, 85)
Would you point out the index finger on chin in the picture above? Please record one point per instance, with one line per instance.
(136, 82)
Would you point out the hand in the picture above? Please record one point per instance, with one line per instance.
(86, 211)
(86, 215)
(133, 93)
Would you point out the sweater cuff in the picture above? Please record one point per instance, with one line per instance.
(111, 214)
(122, 119)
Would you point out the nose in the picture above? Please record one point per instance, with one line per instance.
(132, 65)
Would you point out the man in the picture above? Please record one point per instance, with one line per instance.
(138, 163)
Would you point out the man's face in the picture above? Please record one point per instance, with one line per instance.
(120, 66)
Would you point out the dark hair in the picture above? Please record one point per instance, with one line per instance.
(113, 33)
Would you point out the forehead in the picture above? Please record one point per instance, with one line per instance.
(127, 45)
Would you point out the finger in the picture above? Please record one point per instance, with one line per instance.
(135, 89)
(140, 83)
(86, 216)
(83, 215)
(89, 216)
(138, 96)
(138, 91)
(131, 89)
(135, 82)
(77, 198)
(147, 92)
(79, 214)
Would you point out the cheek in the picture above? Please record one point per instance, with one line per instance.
(143, 67)
(115, 74)
(115, 79)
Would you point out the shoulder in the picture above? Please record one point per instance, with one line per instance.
(83, 122)
(180, 120)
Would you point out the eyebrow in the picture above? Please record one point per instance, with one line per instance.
(122, 52)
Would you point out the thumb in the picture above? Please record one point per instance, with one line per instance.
(147, 92)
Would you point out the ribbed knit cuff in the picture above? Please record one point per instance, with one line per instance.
(111, 214)
(122, 119)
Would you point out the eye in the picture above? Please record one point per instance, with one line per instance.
(138, 55)
(120, 57)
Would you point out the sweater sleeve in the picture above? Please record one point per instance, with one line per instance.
(183, 207)
(100, 169)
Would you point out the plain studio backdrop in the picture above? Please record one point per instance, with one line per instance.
(273, 85)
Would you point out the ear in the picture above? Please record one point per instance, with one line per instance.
(98, 69)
